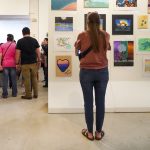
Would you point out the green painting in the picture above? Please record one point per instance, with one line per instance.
(144, 44)
(96, 3)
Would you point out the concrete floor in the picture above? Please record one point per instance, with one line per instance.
(26, 125)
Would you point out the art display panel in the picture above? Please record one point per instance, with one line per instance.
(102, 21)
(123, 53)
(143, 22)
(96, 3)
(63, 23)
(68, 5)
(63, 66)
(122, 24)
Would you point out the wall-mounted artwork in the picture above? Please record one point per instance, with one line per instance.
(102, 21)
(63, 66)
(122, 24)
(63, 43)
(63, 23)
(143, 22)
(146, 66)
(144, 45)
(148, 6)
(126, 3)
(64, 5)
(123, 53)
(96, 3)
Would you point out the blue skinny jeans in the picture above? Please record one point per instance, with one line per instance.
(12, 72)
(96, 79)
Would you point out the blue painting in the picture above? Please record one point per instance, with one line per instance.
(126, 3)
(122, 24)
(64, 24)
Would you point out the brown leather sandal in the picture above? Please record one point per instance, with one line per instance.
(85, 133)
(101, 135)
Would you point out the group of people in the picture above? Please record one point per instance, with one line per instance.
(93, 42)
(25, 57)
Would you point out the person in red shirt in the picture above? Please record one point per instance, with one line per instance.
(93, 73)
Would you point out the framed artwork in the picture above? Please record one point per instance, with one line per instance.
(123, 53)
(148, 6)
(146, 66)
(63, 66)
(122, 24)
(144, 45)
(96, 3)
(143, 22)
(63, 23)
(102, 21)
(63, 43)
(64, 5)
(126, 3)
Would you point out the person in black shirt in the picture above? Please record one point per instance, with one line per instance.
(28, 53)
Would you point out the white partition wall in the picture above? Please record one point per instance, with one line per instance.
(129, 86)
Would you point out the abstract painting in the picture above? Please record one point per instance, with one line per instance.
(122, 24)
(96, 3)
(63, 23)
(148, 6)
(63, 43)
(63, 66)
(144, 44)
(143, 22)
(123, 53)
(146, 66)
(64, 5)
(126, 3)
(102, 21)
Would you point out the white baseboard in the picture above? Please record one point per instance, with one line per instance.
(81, 110)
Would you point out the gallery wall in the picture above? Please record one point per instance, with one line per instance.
(14, 7)
(129, 85)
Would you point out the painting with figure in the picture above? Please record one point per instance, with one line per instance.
(146, 66)
(123, 53)
(63, 23)
(102, 21)
(126, 3)
(96, 3)
(68, 5)
(144, 45)
(63, 66)
(122, 24)
(63, 43)
(143, 22)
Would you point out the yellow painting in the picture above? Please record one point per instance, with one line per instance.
(143, 22)
(63, 66)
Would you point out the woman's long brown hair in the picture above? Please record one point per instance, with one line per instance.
(93, 23)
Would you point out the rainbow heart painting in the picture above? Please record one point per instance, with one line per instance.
(63, 66)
